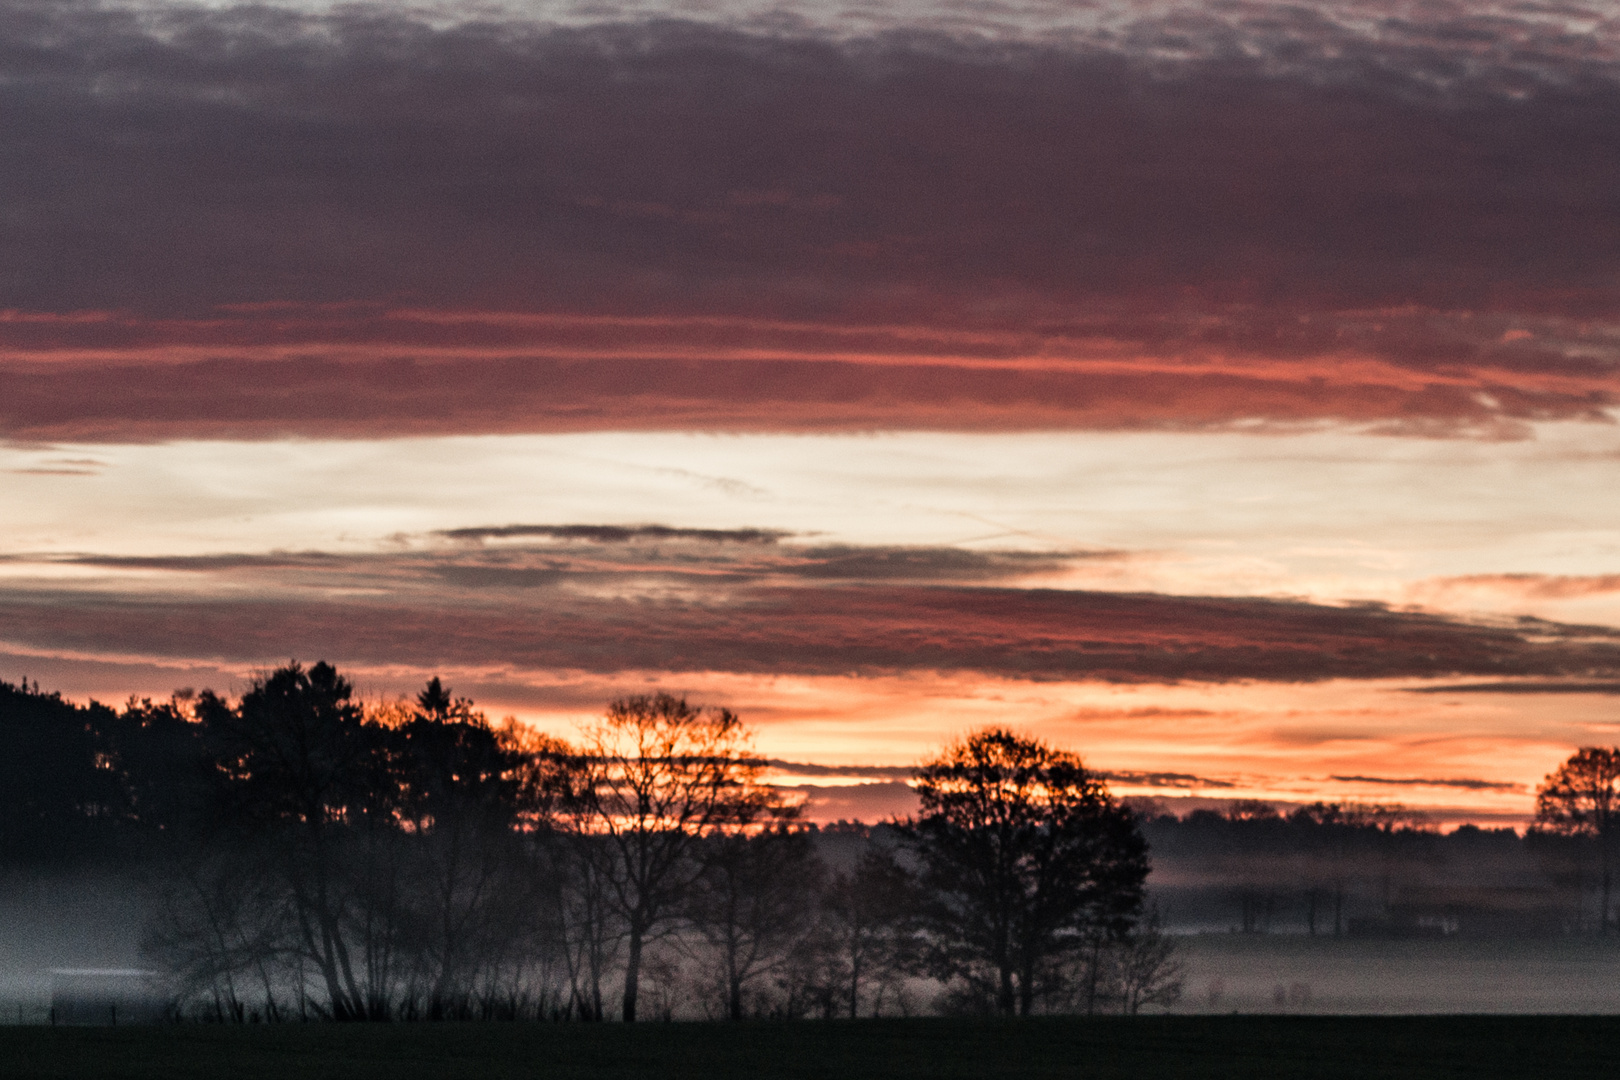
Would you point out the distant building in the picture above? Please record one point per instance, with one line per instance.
(105, 996)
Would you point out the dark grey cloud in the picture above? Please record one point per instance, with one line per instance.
(1163, 779)
(278, 560)
(1426, 781)
(852, 562)
(902, 773)
(596, 554)
(253, 156)
(1312, 186)
(695, 606)
(867, 772)
(614, 534)
(1528, 686)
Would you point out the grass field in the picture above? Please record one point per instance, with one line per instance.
(1358, 977)
(1153, 1048)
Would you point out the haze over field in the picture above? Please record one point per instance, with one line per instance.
(1225, 391)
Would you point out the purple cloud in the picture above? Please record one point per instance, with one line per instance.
(251, 223)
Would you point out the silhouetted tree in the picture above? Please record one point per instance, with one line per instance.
(592, 931)
(1581, 799)
(753, 904)
(298, 771)
(222, 929)
(398, 854)
(657, 775)
(1257, 876)
(1318, 841)
(1026, 857)
(158, 754)
(1148, 972)
(59, 796)
(464, 792)
(872, 925)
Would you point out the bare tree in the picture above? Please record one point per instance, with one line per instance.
(592, 932)
(657, 776)
(1581, 799)
(1149, 973)
(219, 928)
(753, 904)
(872, 926)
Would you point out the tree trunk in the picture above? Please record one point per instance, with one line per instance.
(333, 938)
(855, 981)
(1005, 1000)
(1580, 892)
(1093, 975)
(321, 952)
(1603, 912)
(632, 973)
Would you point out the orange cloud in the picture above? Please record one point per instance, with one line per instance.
(1533, 586)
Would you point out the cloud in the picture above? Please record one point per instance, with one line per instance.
(1172, 780)
(248, 222)
(867, 772)
(588, 600)
(614, 534)
(322, 397)
(598, 554)
(1528, 586)
(280, 560)
(1526, 687)
(1421, 781)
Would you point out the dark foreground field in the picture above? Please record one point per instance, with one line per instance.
(1149, 1048)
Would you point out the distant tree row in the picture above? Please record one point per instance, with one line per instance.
(1366, 868)
(309, 856)
(1327, 868)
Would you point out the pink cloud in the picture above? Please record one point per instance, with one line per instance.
(296, 371)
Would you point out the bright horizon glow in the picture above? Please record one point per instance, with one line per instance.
(1327, 516)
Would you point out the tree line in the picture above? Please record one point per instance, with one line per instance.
(308, 856)
(1379, 869)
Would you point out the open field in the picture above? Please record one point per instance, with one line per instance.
(1291, 973)
(1211, 1048)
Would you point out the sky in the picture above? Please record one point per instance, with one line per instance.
(1225, 391)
